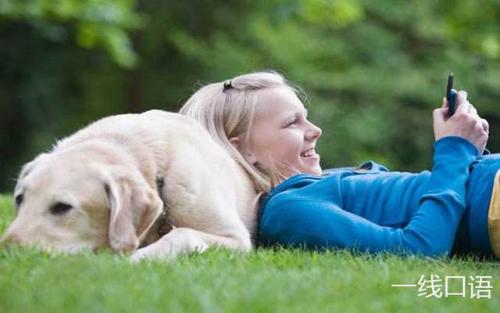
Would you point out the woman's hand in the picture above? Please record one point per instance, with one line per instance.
(465, 123)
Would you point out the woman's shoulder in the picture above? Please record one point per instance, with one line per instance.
(301, 180)
(365, 167)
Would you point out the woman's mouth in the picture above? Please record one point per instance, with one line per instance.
(309, 154)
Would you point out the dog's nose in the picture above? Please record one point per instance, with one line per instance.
(8, 240)
(3, 242)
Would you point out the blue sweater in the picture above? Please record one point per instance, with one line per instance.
(371, 209)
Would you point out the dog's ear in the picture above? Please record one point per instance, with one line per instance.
(134, 208)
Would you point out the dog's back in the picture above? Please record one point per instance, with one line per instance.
(177, 148)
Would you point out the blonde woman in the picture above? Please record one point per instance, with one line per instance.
(455, 208)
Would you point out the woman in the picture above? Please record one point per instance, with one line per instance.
(262, 123)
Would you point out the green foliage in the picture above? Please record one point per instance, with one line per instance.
(373, 70)
(336, 14)
(98, 23)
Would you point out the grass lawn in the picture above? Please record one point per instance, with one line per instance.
(220, 281)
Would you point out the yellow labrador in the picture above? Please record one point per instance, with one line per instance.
(111, 185)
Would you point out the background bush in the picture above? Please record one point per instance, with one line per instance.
(373, 70)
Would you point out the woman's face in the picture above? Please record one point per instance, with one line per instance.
(281, 137)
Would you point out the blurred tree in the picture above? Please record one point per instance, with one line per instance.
(46, 48)
(96, 23)
(373, 70)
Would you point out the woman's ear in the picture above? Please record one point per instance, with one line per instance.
(247, 155)
(236, 142)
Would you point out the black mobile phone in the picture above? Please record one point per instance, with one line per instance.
(451, 95)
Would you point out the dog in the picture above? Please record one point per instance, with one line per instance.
(121, 181)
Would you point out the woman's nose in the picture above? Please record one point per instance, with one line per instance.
(314, 132)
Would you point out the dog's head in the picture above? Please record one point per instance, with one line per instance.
(70, 201)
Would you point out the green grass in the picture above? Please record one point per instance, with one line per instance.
(221, 281)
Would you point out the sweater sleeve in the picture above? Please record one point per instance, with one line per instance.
(295, 220)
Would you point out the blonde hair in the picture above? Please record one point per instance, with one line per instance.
(227, 109)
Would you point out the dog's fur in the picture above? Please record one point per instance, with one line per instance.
(110, 184)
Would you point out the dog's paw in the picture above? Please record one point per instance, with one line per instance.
(138, 256)
(154, 252)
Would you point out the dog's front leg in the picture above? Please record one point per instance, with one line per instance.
(186, 240)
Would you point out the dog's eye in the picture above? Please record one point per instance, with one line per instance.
(60, 208)
(19, 200)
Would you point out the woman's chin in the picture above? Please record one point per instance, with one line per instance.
(311, 166)
(316, 170)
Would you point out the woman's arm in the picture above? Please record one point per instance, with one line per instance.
(295, 220)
